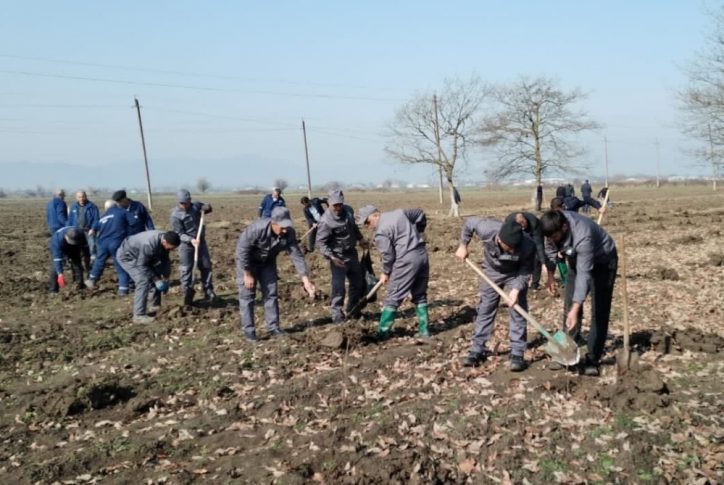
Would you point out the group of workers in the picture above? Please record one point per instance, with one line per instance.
(515, 250)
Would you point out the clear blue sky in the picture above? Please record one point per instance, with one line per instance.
(252, 70)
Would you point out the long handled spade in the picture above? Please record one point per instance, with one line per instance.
(605, 202)
(560, 346)
(623, 359)
(196, 249)
(363, 301)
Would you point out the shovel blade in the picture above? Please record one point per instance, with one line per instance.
(563, 349)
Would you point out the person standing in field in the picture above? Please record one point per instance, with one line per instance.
(185, 221)
(112, 229)
(84, 215)
(270, 201)
(313, 210)
(256, 265)
(139, 219)
(398, 236)
(337, 239)
(57, 212)
(592, 263)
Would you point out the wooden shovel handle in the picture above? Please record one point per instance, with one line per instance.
(198, 238)
(529, 318)
(626, 329)
(605, 201)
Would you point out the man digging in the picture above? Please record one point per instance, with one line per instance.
(185, 220)
(256, 262)
(66, 243)
(405, 264)
(337, 238)
(508, 261)
(592, 262)
(145, 258)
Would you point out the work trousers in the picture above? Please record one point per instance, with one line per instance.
(353, 273)
(410, 274)
(487, 311)
(266, 278)
(146, 290)
(107, 249)
(603, 277)
(186, 267)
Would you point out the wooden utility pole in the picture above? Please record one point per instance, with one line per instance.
(658, 164)
(605, 156)
(439, 148)
(145, 156)
(711, 160)
(306, 156)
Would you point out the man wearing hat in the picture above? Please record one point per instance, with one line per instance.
(592, 263)
(508, 260)
(185, 220)
(139, 219)
(145, 258)
(270, 201)
(70, 243)
(112, 229)
(337, 238)
(405, 264)
(256, 263)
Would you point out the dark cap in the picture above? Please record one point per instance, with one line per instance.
(511, 233)
(172, 238)
(118, 195)
(183, 196)
(280, 216)
(75, 237)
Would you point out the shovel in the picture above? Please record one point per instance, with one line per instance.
(363, 301)
(560, 346)
(196, 249)
(623, 359)
(605, 202)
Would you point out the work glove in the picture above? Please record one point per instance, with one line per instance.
(162, 286)
(61, 280)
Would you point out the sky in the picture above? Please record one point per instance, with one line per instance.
(225, 83)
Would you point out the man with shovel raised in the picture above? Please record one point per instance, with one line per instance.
(405, 265)
(186, 222)
(337, 238)
(592, 262)
(509, 255)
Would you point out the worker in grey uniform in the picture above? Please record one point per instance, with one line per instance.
(405, 264)
(508, 261)
(145, 258)
(592, 263)
(530, 225)
(337, 238)
(185, 220)
(256, 262)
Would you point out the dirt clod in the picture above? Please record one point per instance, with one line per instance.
(667, 274)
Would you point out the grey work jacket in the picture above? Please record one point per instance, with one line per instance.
(398, 234)
(337, 235)
(258, 246)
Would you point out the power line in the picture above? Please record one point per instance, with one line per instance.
(179, 73)
(197, 88)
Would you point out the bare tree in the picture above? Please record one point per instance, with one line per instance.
(281, 183)
(534, 129)
(203, 184)
(702, 101)
(413, 135)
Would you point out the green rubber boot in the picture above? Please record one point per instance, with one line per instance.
(563, 270)
(422, 320)
(386, 320)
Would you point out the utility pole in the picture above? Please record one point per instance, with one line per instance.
(306, 155)
(439, 148)
(145, 156)
(658, 164)
(605, 156)
(711, 159)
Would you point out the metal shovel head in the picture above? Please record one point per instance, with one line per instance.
(563, 349)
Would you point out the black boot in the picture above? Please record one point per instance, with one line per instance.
(188, 297)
